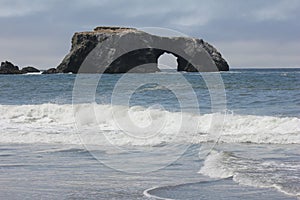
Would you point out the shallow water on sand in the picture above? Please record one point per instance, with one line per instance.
(70, 172)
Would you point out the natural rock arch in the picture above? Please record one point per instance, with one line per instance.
(135, 61)
(120, 50)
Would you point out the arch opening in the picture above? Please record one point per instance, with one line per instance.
(167, 62)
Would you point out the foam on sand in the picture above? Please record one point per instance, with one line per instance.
(281, 175)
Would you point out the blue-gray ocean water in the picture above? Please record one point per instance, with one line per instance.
(257, 154)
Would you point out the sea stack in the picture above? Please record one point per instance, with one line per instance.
(9, 68)
(121, 50)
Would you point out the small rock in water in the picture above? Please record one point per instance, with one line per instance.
(29, 70)
(50, 71)
(9, 68)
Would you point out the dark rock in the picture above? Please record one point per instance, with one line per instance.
(50, 71)
(110, 29)
(121, 50)
(29, 70)
(9, 68)
(216, 56)
(82, 45)
(134, 62)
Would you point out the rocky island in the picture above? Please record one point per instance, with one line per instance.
(120, 49)
(9, 68)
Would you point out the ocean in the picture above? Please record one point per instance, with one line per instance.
(167, 135)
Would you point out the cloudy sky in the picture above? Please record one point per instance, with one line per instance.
(257, 33)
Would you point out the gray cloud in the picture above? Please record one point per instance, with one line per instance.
(248, 33)
(255, 53)
(280, 11)
(19, 8)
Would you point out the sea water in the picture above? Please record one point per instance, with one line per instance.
(46, 151)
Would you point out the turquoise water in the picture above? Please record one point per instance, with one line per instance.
(53, 149)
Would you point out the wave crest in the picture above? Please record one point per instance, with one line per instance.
(40, 121)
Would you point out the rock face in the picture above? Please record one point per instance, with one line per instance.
(50, 71)
(121, 50)
(9, 68)
(29, 70)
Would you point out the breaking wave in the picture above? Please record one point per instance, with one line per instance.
(280, 175)
(54, 123)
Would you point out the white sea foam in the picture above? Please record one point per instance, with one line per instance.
(213, 166)
(147, 194)
(33, 73)
(281, 175)
(52, 123)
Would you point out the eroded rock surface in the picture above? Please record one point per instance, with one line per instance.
(121, 50)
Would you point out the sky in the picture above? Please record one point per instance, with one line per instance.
(249, 34)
